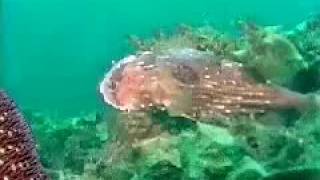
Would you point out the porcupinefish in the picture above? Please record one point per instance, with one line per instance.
(18, 157)
(192, 84)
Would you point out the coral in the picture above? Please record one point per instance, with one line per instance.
(19, 159)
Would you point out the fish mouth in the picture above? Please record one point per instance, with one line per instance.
(110, 83)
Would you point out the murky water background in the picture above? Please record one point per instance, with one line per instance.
(55, 52)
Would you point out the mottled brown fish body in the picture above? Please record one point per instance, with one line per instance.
(18, 157)
(194, 84)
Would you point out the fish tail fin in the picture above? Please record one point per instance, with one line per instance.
(303, 102)
(313, 101)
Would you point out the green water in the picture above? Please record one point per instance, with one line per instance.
(55, 52)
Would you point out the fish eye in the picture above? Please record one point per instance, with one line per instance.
(113, 85)
(185, 74)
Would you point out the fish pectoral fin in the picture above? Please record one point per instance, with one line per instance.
(181, 106)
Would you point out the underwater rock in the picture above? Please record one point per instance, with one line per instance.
(199, 153)
(268, 50)
(76, 143)
(158, 155)
(306, 37)
(18, 157)
(248, 170)
(295, 174)
(202, 155)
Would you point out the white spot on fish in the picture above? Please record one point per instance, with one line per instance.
(250, 93)
(142, 76)
(142, 86)
(147, 96)
(206, 76)
(216, 101)
(164, 57)
(260, 94)
(140, 63)
(147, 53)
(166, 102)
(227, 64)
(10, 133)
(13, 167)
(151, 66)
(203, 97)
(244, 110)
(154, 78)
(219, 107)
(227, 101)
(20, 164)
(194, 114)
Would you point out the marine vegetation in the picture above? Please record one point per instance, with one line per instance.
(198, 104)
